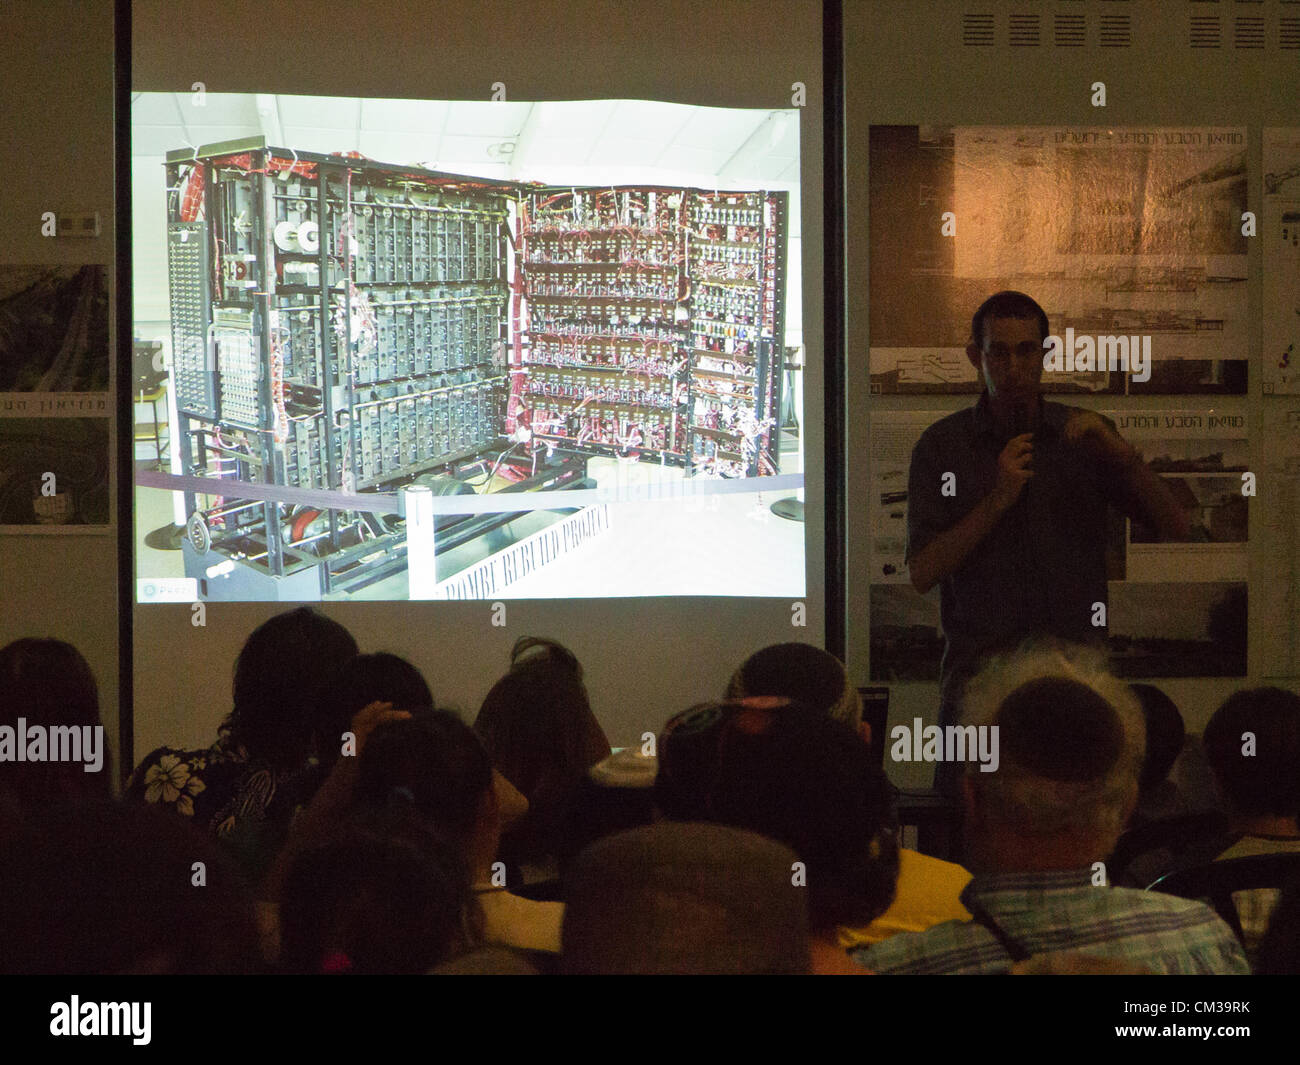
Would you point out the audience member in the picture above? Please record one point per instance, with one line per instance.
(389, 679)
(99, 888)
(46, 685)
(540, 732)
(802, 672)
(370, 903)
(786, 771)
(616, 795)
(1159, 837)
(685, 899)
(929, 889)
(780, 852)
(245, 788)
(1158, 796)
(436, 762)
(1279, 953)
(430, 765)
(1253, 746)
(1071, 745)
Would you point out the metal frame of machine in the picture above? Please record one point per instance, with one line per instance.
(349, 327)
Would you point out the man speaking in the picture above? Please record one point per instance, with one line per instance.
(1007, 506)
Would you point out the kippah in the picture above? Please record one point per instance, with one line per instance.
(1060, 729)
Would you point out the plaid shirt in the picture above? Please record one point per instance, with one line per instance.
(1255, 907)
(1062, 911)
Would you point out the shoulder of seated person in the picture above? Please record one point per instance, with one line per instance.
(1155, 901)
(1249, 846)
(930, 862)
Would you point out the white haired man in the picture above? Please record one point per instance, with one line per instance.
(1039, 829)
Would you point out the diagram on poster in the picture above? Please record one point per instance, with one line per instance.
(1116, 232)
(1201, 456)
(893, 436)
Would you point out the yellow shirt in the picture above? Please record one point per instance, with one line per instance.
(928, 894)
(513, 921)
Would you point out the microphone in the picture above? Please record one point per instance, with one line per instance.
(1021, 423)
(1021, 419)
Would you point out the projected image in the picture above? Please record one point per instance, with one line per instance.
(407, 349)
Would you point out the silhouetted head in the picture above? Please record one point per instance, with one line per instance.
(280, 681)
(1252, 744)
(793, 774)
(685, 898)
(434, 763)
(1071, 739)
(108, 888)
(370, 903)
(801, 672)
(47, 684)
(1165, 734)
(362, 680)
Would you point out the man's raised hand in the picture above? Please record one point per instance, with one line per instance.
(1014, 469)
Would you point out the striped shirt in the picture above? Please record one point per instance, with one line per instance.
(1061, 910)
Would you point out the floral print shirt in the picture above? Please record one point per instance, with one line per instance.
(242, 804)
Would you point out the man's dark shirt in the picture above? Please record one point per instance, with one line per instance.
(1042, 567)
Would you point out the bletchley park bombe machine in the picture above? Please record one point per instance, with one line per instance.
(343, 328)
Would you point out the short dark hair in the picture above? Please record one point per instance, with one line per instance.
(279, 677)
(1070, 737)
(1006, 304)
(795, 670)
(799, 777)
(1165, 734)
(537, 720)
(1267, 782)
(678, 898)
